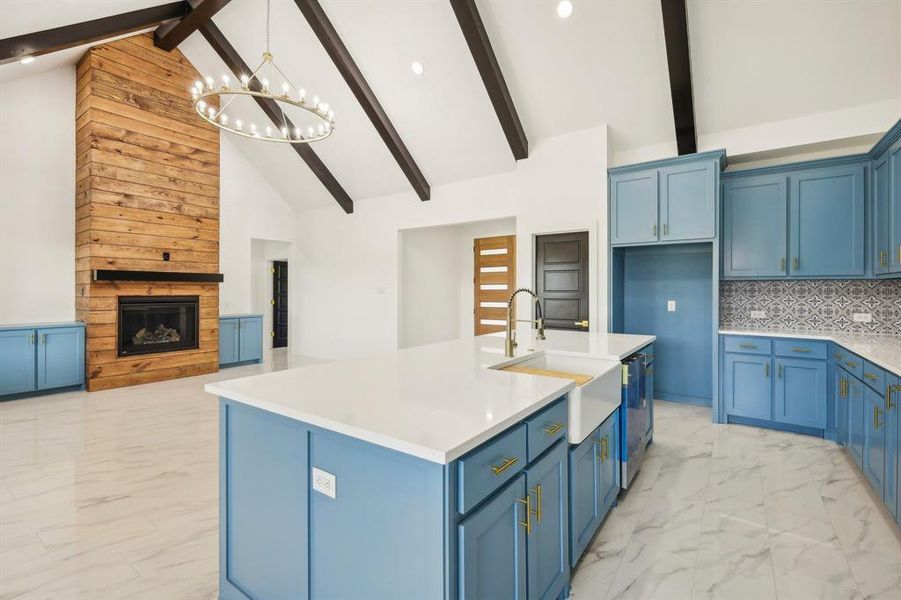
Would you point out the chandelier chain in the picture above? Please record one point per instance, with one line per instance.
(268, 12)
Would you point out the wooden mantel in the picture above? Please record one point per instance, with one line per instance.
(147, 182)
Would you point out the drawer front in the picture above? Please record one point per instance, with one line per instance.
(800, 348)
(547, 427)
(874, 377)
(490, 466)
(747, 345)
(839, 355)
(853, 364)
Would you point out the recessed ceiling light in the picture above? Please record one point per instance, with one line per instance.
(27, 59)
(417, 68)
(565, 9)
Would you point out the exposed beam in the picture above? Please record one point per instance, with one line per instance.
(678, 57)
(77, 34)
(340, 55)
(169, 35)
(238, 67)
(486, 62)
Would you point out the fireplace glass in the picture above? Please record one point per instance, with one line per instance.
(151, 324)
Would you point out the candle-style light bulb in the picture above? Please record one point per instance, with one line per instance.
(265, 83)
(225, 81)
(297, 132)
(209, 82)
(301, 93)
(244, 81)
(239, 125)
(223, 118)
(285, 132)
(285, 87)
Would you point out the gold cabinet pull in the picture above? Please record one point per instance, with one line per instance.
(43, 338)
(843, 387)
(552, 429)
(31, 339)
(876, 423)
(889, 405)
(837, 356)
(782, 264)
(766, 369)
(779, 371)
(748, 346)
(604, 445)
(537, 512)
(870, 376)
(654, 229)
(527, 501)
(851, 364)
(883, 258)
(801, 350)
(582, 323)
(796, 263)
(665, 228)
(508, 462)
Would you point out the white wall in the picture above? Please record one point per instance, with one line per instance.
(37, 197)
(348, 265)
(262, 254)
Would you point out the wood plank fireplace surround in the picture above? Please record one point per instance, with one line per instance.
(147, 199)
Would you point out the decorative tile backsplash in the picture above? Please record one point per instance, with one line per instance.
(821, 304)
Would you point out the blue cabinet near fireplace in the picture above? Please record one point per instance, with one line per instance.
(41, 357)
(240, 339)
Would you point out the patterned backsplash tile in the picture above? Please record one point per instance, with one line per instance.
(821, 304)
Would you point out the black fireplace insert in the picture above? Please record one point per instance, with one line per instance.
(150, 324)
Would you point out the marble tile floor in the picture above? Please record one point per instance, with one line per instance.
(113, 495)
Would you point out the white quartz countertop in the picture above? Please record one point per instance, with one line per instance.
(435, 402)
(881, 350)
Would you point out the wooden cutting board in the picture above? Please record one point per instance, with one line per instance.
(577, 377)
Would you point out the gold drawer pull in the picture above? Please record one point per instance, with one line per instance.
(871, 377)
(801, 350)
(748, 346)
(551, 430)
(527, 501)
(508, 462)
(852, 365)
(837, 356)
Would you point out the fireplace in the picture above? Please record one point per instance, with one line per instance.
(152, 324)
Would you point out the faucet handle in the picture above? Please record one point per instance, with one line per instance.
(513, 338)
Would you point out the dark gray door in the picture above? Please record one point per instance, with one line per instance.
(561, 278)
(279, 304)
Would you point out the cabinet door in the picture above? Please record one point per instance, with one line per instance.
(17, 361)
(894, 158)
(60, 357)
(251, 334)
(855, 419)
(874, 440)
(892, 431)
(584, 495)
(747, 386)
(840, 380)
(755, 222)
(609, 462)
(493, 547)
(548, 543)
(228, 341)
(801, 392)
(633, 207)
(827, 222)
(688, 202)
(881, 222)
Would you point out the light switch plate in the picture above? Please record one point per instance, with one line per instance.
(862, 317)
(758, 314)
(325, 483)
(671, 306)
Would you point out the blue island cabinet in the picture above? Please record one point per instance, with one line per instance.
(240, 339)
(41, 357)
(311, 514)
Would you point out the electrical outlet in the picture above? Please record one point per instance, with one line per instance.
(325, 483)
(758, 314)
(671, 306)
(862, 317)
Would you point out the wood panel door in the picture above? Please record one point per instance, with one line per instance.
(494, 279)
(561, 279)
(279, 304)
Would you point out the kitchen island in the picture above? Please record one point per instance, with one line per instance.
(424, 473)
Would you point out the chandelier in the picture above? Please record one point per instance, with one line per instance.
(211, 103)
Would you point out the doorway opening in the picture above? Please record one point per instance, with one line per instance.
(269, 286)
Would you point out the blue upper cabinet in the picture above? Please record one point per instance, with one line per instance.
(60, 360)
(894, 234)
(800, 392)
(665, 201)
(826, 216)
(755, 227)
(882, 214)
(633, 207)
(17, 362)
(688, 202)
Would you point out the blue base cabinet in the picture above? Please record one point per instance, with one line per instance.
(747, 386)
(40, 358)
(240, 339)
(548, 540)
(873, 455)
(856, 412)
(594, 471)
(800, 391)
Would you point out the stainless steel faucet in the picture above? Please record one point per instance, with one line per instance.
(510, 341)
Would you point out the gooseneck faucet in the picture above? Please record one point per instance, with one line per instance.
(510, 341)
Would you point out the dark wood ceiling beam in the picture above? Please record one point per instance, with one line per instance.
(169, 35)
(486, 62)
(678, 58)
(340, 55)
(78, 34)
(238, 67)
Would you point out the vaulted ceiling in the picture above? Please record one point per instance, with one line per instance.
(752, 62)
